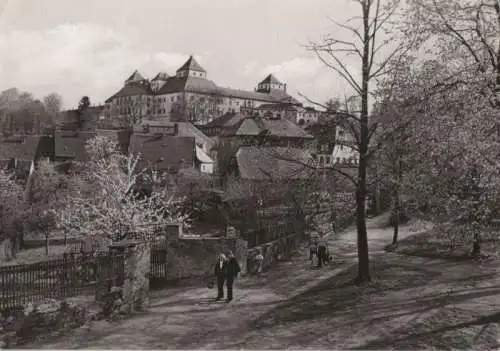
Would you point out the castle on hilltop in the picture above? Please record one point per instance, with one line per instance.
(190, 96)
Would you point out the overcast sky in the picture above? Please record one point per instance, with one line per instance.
(89, 47)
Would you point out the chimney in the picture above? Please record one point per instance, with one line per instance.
(285, 87)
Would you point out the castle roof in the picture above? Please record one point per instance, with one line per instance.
(191, 65)
(160, 76)
(188, 84)
(270, 79)
(132, 89)
(135, 77)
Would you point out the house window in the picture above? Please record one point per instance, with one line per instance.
(172, 99)
(327, 159)
(178, 98)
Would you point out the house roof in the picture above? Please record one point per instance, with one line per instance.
(247, 127)
(163, 151)
(227, 120)
(184, 129)
(72, 145)
(272, 163)
(135, 77)
(161, 76)
(202, 156)
(192, 65)
(237, 124)
(26, 148)
(132, 89)
(283, 128)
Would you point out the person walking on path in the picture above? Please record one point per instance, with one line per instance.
(220, 275)
(259, 259)
(313, 252)
(232, 270)
(322, 252)
(333, 219)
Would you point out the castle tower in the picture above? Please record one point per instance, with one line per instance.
(135, 78)
(159, 81)
(191, 68)
(270, 84)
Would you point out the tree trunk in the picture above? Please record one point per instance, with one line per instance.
(46, 244)
(476, 244)
(396, 227)
(362, 240)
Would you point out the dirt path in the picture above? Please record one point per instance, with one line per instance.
(293, 306)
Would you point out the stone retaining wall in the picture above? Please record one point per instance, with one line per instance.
(195, 257)
(274, 251)
(42, 318)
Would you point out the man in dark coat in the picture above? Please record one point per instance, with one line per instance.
(232, 270)
(220, 275)
(322, 252)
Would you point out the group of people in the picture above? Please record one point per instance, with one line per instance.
(227, 269)
(318, 252)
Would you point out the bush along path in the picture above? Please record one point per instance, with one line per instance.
(267, 312)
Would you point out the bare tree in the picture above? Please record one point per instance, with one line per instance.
(367, 45)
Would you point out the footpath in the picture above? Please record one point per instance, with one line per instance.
(187, 317)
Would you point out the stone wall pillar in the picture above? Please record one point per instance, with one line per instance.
(241, 254)
(136, 268)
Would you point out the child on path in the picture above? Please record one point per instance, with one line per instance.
(259, 258)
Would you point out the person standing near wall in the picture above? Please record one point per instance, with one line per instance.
(322, 252)
(259, 259)
(232, 271)
(220, 275)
